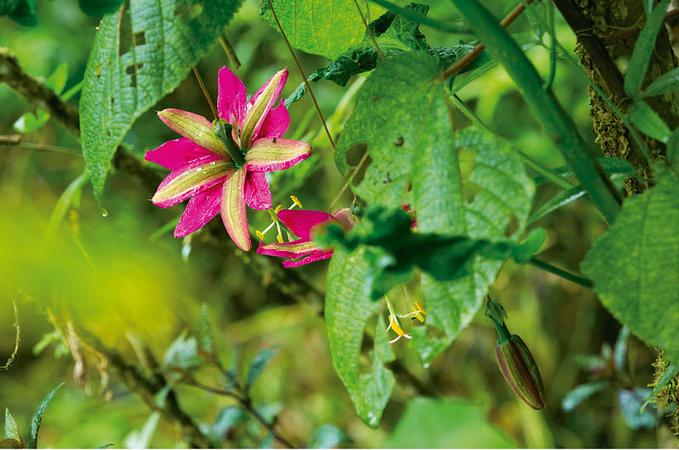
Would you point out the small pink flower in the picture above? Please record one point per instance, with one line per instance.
(302, 223)
(221, 166)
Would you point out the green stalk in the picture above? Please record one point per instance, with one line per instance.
(566, 275)
(545, 106)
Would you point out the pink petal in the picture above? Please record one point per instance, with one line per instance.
(193, 126)
(190, 180)
(276, 123)
(176, 153)
(266, 155)
(301, 221)
(316, 256)
(294, 249)
(257, 192)
(259, 106)
(233, 210)
(231, 102)
(200, 210)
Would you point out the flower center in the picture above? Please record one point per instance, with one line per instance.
(222, 130)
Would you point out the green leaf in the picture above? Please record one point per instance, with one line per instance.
(29, 122)
(631, 402)
(207, 342)
(57, 80)
(620, 350)
(648, 121)
(258, 364)
(142, 438)
(321, 27)
(391, 119)
(37, 417)
(98, 8)
(395, 34)
(445, 423)
(664, 84)
(164, 39)
(227, 418)
(69, 198)
(581, 393)
(183, 354)
(635, 268)
(560, 200)
(393, 250)
(347, 309)
(21, 11)
(327, 436)
(11, 429)
(530, 246)
(503, 193)
(643, 50)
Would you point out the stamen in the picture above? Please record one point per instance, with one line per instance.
(275, 222)
(295, 202)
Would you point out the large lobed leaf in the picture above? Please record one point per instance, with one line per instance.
(164, 39)
(348, 308)
(502, 192)
(635, 267)
(402, 120)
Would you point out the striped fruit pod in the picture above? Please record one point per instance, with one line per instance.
(520, 371)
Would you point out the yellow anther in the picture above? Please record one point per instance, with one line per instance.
(419, 312)
(295, 202)
(395, 325)
(259, 235)
(278, 208)
(280, 239)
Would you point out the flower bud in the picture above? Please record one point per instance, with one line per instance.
(520, 371)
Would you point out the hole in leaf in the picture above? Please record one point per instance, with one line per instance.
(139, 38)
(132, 70)
(125, 29)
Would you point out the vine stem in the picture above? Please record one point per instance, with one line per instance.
(246, 402)
(476, 51)
(304, 77)
(229, 51)
(17, 338)
(369, 31)
(206, 94)
(566, 275)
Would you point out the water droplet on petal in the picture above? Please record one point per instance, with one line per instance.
(199, 169)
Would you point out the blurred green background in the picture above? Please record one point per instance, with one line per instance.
(120, 276)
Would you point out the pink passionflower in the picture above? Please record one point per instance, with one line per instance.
(221, 165)
(302, 223)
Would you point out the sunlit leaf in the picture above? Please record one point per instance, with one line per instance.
(635, 268)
